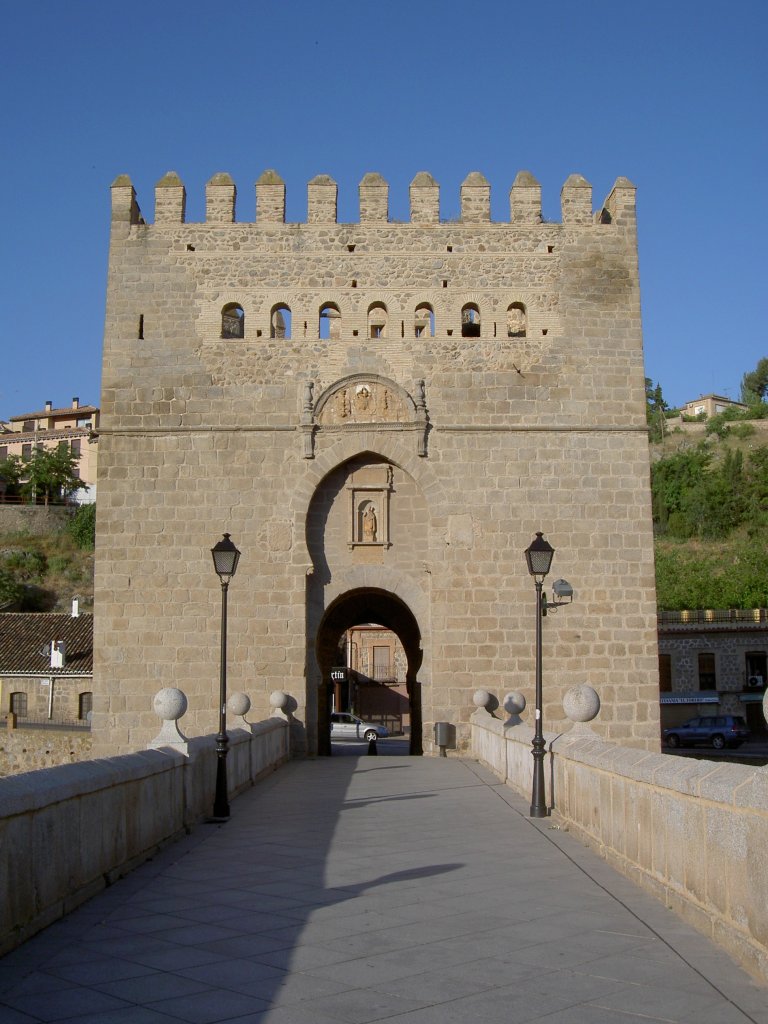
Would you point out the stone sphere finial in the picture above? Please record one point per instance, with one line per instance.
(765, 705)
(283, 702)
(278, 700)
(482, 699)
(170, 704)
(514, 704)
(239, 704)
(581, 703)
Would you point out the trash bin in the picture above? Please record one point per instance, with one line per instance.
(445, 736)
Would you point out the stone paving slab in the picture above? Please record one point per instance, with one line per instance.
(353, 890)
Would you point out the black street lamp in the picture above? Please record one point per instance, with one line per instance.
(539, 555)
(225, 559)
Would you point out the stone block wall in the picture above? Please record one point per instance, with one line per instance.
(488, 436)
(25, 750)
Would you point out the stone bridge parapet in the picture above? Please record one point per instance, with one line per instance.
(69, 831)
(691, 832)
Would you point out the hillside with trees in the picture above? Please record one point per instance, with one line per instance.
(710, 502)
(43, 572)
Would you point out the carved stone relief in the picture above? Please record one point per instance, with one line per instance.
(364, 402)
(372, 402)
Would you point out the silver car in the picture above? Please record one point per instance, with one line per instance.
(349, 727)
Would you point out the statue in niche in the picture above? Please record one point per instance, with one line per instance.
(370, 525)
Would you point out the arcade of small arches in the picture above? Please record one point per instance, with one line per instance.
(423, 325)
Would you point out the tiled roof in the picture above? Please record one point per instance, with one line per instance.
(47, 434)
(24, 634)
(66, 411)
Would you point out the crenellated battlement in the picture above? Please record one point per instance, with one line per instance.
(322, 201)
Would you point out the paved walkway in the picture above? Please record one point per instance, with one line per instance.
(355, 889)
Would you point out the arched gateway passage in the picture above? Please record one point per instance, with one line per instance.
(354, 608)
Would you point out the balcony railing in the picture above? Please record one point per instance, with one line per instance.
(702, 616)
(384, 674)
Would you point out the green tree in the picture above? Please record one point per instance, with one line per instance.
(51, 473)
(674, 483)
(754, 385)
(733, 575)
(82, 527)
(11, 473)
(716, 502)
(655, 407)
(11, 590)
(756, 473)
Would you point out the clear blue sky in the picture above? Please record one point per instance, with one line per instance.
(672, 95)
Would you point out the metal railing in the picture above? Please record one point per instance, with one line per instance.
(15, 721)
(702, 616)
(384, 674)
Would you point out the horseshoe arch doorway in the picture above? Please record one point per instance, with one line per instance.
(358, 607)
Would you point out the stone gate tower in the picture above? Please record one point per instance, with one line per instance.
(382, 415)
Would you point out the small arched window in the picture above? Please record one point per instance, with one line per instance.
(330, 321)
(470, 321)
(517, 325)
(280, 322)
(84, 704)
(377, 320)
(424, 321)
(232, 321)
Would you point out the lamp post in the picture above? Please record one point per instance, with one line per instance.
(225, 559)
(538, 556)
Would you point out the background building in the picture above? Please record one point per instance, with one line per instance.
(373, 684)
(710, 405)
(74, 427)
(713, 662)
